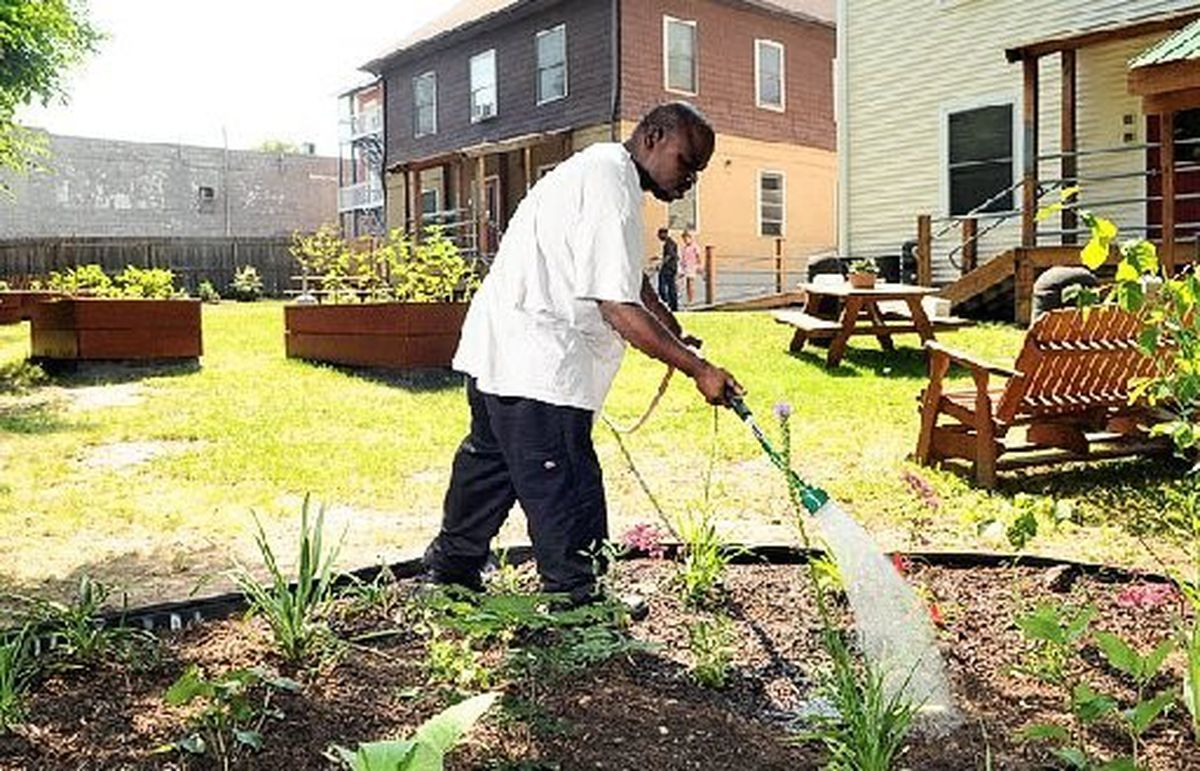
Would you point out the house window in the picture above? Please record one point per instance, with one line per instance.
(425, 104)
(679, 55)
(483, 86)
(682, 214)
(432, 182)
(770, 203)
(768, 74)
(206, 199)
(980, 159)
(552, 64)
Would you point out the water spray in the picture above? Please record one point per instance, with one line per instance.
(893, 624)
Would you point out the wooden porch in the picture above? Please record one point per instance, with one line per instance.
(1168, 190)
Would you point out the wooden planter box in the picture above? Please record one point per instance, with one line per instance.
(17, 306)
(389, 335)
(102, 329)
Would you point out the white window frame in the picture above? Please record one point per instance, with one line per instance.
(537, 66)
(417, 133)
(997, 99)
(491, 52)
(759, 43)
(783, 203)
(667, 209)
(666, 55)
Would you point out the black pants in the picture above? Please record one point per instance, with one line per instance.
(541, 455)
(668, 286)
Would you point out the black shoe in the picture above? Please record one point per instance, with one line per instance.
(434, 577)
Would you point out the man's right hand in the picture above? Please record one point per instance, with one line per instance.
(717, 385)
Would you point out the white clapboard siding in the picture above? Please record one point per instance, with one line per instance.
(909, 62)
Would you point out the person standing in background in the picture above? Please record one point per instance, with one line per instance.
(689, 263)
(668, 270)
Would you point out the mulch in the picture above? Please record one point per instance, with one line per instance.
(639, 712)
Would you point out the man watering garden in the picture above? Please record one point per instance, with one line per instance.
(543, 340)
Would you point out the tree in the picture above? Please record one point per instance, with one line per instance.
(277, 146)
(39, 41)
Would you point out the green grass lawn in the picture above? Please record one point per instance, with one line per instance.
(253, 430)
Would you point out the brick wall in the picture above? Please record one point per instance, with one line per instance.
(725, 57)
(96, 187)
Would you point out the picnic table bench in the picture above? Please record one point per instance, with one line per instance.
(863, 312)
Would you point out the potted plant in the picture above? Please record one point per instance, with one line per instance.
(136, 315)
(863, 273)
(396, 303)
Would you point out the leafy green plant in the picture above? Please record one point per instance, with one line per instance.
(507, 578)
(454, 662)
(1059, 634)
(705, 558)
(1191, 675)
(1056, 634)
(4, 287)
(711, 644)
(233, 708)
(398, 268)
(864, 265)
(19, 376)
(81, 637)
(208, 293)
(247, 285)
(132, 282)
(377, 594)
(294, 611)
(17, 668)
(1141, 669)
(427, 748)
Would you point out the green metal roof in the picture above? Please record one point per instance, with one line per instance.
(1181, 46)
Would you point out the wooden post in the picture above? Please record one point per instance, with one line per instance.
(1023, 277)
(418, 208)
(528, 168)
(1166, 162)
(481, 210)
(924, 250)
(779, 279)
(1070, 163)
(970, 245)
(1030, 122)
(710, 274)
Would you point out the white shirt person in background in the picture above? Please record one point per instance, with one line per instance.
(543, 340)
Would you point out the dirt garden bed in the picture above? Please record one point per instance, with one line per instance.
(634, 710)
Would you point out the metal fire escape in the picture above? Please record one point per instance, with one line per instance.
(362, 196)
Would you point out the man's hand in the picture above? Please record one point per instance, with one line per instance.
(717, 385)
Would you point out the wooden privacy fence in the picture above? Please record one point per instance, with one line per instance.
(192, 260)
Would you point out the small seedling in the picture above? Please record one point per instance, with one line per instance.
(17, 668)
(711, 643)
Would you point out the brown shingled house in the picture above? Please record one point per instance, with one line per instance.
(484, 100)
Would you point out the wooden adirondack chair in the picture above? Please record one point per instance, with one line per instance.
(1069, 389)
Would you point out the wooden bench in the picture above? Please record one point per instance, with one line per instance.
(1069, 390)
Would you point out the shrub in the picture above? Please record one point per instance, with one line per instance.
(132, 282)
(208, 293)
(247, 285)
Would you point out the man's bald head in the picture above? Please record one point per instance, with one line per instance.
(670, 146)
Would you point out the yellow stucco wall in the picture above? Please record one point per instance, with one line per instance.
(728, 201)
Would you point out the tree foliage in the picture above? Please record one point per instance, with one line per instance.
(39, 41)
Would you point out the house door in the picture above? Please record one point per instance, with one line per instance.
(1187, 178)
(495, 212)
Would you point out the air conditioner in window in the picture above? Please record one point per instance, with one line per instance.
(484, 111)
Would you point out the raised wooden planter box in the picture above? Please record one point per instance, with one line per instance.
(17, 306)
(388, 335)
(77, 329)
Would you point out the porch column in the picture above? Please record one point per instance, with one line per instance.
(1166, 155)
(1070, 163)
(526, 158)
(1030, 122)
(418, 205)
(481, 211)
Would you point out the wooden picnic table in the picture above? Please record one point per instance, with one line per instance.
(862, 305)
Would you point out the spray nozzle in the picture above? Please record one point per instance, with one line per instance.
(738, 405)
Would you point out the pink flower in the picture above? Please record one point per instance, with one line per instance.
(645, 538)
(783, 411)
(1146, 596)
(921, 488)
